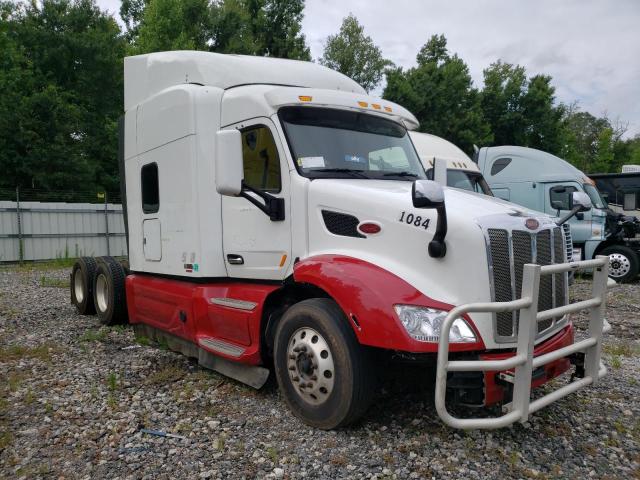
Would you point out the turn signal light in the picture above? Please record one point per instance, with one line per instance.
(369, 228)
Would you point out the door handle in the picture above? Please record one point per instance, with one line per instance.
(234, 259)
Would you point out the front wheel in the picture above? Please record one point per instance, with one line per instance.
(324, 374)
(624, 263)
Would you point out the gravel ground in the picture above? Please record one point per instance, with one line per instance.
(74, 398)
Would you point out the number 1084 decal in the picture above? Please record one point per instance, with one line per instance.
(415, 220)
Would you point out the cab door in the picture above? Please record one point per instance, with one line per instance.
(254, 246)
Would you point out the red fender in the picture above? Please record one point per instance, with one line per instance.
(367, 293)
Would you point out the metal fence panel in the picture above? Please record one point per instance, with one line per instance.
(49, 230)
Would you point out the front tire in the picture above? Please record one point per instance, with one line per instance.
(624, 263)
(324, 374)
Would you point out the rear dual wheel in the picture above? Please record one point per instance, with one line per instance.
(82, 279)
(324, 374)
(109, 292)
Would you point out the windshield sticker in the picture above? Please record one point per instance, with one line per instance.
(354, 159)
(311, 162)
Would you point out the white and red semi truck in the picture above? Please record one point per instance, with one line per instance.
(278, 218)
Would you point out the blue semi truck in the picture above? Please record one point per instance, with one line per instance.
(543, 182)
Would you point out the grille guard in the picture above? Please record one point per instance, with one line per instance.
(523, 362)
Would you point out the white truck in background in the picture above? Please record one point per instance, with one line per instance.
(278, 217)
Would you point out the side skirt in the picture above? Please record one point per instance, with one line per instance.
(250, 375)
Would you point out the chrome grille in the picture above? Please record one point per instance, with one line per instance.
(510, 250)
(501, 263)
(544, 257)
(568, 241)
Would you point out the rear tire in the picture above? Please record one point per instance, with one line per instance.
(324, 374)
(82, 279)
(109, 292)
(624, 263)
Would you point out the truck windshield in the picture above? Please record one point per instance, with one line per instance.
(331, 143)
(594, 195)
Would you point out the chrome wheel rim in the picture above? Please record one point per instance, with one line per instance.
(78, 286)
(619, 265)
(102, 292)
(310, 364)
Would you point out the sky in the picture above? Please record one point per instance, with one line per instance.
(591, 48)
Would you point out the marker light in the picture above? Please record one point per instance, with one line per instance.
(376, 106)
(369, 228)
(305, 98)
(363, 104)
(387, 109)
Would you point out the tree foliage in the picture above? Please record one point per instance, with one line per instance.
(440, 92)
(354, 54)
(60, 95)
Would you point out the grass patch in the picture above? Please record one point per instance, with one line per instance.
(167, 374)
(272, 453)
(29, 397)
(99, 335)
(622, 349)
(142, 340)
(53, 282)
(616, 362)
(112, 381)
(20, 352)
(5, 439)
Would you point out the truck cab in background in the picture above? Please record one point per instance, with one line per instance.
(462, 172)
(543, 182)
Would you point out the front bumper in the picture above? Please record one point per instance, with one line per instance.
(495, 388)
(523, 367)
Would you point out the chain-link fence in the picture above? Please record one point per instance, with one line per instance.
(43, 225)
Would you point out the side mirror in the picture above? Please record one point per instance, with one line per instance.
(556, 205)
(429, 194)
(580, 199)
(578, 202)
(229, 170)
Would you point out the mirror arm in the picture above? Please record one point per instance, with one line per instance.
(437, 247)
(573, 211)
(273, 206)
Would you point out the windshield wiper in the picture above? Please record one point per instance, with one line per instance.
(355, 172)
(399, 174)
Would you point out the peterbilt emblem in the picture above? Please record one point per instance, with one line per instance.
(531, 223)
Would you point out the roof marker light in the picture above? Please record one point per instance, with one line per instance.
(363, 104)
(305, 98)
(387, 109)
(376, 106)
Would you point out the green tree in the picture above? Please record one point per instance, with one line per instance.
(131, 12)
(440, 92)
(354, 54)
(521, 111)
(173, 25)
(60, 95)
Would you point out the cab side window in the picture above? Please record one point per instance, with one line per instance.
(150, 188)
(260, 159)
(559, 197)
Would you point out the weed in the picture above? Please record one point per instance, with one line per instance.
(272, 453)
(29, 397)
(163, 344)
(621, 350)
(20, 352)
(99, 335)
(142, 340)
(53, 282)
(616, 362)
(112, 403)
(112, 381)
(5, 439)
(513, 458)
(167, 374)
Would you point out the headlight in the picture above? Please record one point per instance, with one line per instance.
(425, 324)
